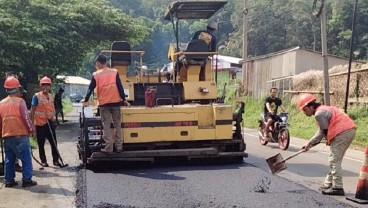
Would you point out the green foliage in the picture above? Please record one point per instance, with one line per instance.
(33, 142)
(67, 106)
(253, 112)
(276, 25)
(49, 37)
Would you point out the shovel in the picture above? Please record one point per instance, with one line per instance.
(277, 163)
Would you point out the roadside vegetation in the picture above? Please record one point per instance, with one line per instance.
(67, 106)
(300, 125)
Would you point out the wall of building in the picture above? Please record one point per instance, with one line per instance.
(261, 71)
(307, 60)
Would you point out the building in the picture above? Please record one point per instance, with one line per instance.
(276, 69)
(73, 85)
(230, 64)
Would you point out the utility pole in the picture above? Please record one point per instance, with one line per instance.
(350, 57)
(321, 13)
(326, 77)
(245, 46)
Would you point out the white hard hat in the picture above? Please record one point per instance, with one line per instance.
(212, 25)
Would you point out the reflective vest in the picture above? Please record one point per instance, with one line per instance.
(107, 91)
(45, 109)
(339, 122)
(12, 123)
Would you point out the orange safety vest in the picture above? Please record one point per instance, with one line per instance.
(12, 123)
(339, 122)
(107, 91)
(45, 109)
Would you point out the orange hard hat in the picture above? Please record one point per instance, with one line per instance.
(305, 99)
(45, 80)
(11, 82)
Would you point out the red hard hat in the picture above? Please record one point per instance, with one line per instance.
(11, 82)
(45, 80)
(305, 99)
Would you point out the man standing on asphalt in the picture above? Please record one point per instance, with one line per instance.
(110, 95)
(59, 105)
(339, 131)
(43, 115)
(15, 128)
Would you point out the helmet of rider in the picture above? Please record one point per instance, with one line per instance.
(12, 85)
(212, 25)
(305, 99)
(45, 80)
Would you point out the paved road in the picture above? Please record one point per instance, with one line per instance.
(249, 184)
(308, 169)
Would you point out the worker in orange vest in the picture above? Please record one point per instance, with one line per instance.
(110, 96)
(43, 116)
(339, 131)
(15, 128)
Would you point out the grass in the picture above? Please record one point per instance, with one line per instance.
(305, 127)
(301, 126)
(67, 106)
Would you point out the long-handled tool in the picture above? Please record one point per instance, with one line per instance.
(57, 150)
(35, 159)
(2, 170)
(277, 163)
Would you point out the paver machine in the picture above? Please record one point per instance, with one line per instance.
(182, 118)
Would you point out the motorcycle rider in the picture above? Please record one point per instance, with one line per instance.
(272, 103)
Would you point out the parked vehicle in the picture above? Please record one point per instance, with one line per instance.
(75, 97)
(278, 132)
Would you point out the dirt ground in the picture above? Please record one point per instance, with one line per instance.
(56, 186)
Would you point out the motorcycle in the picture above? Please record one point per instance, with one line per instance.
(278, 131)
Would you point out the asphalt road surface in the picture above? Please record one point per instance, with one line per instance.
(248, 184)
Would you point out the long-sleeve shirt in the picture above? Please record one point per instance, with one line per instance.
(24, 116)
(323, 118)
(211, 45)
(92, 86)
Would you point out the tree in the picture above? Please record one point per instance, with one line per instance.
(48, 37)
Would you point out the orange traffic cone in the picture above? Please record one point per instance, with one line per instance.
(361, 195)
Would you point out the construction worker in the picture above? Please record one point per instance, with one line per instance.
(15, 128)
(58, 103)
(43, 116)
(339, 131)
(208, 36)
(110, 96)
(272, 103)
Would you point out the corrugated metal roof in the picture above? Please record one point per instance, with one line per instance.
(193, 9)
(286, 51)
(73, 80)
(230, 59)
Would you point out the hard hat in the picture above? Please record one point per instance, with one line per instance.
(212, 25)
(11, 82)
(305, 99)
(45, 80)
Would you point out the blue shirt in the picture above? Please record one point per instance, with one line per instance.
(34, 100)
